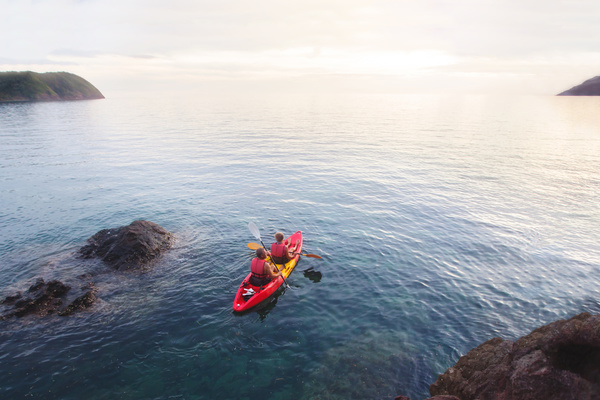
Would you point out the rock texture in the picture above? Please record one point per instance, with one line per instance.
(44, 298)
(80, 303)
(129, 247)
(557, 361)
(591, 87)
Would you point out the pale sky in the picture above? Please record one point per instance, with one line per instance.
(402, 46)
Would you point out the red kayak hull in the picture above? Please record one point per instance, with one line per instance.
(262, 293)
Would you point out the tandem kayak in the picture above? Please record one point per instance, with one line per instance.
(249, 296)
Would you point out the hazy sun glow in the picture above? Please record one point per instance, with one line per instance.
(532, 47)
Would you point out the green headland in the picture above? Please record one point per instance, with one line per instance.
(49, 86)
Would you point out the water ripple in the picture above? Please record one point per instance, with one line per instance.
(441, 224)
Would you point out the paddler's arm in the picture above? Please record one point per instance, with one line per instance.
(290, 254)
(272, 270)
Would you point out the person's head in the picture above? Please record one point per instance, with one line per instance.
(261, 253)
(279, 237)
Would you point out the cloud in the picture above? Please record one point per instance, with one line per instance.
(10, 61)
(234, 39)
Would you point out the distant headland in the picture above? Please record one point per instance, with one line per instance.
(49, 86)
(591, 87)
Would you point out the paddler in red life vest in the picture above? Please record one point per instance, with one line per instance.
(262, 270)
(280, 254)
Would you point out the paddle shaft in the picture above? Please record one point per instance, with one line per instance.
(254, 230)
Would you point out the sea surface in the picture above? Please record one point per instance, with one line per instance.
(442, 222)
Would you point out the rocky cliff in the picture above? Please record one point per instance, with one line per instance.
(556, 361)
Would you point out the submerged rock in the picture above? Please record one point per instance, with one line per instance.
(41, 298)
(81, 303)
(364, 367)
(129, 247)
(557, 361)
(45, 298)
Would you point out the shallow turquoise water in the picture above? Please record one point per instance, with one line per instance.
(442, 223)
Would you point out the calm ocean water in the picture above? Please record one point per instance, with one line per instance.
(442, 222)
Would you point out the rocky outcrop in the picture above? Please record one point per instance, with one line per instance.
(557, 361)
(129, 247)
(41, 298)
(44, 298)
(591, 87)
(80, 303)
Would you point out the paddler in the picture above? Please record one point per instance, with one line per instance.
(262, 270)
(280, 253)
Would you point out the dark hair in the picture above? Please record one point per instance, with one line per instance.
(279, 236)
(261, 253)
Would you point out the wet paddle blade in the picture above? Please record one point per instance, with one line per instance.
(254, 246)
(311, 255)
(254, 230)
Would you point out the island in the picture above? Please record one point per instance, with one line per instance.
(591, 87)
(49, 86)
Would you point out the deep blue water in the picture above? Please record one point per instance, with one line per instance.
(442, 222)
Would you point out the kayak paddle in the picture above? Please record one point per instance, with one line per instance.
(254, 246)
(308, 255)
(254, 230)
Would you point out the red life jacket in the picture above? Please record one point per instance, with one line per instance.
(257, 267)
(278, 250)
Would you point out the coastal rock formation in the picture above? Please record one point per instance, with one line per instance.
(557, 361)
(50, 86)
(80, 303)
(591, 87)
(41, 298)
(44, 298)
(128, 247)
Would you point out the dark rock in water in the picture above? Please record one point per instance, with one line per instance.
(41, 298)
(80, 303)
(10, 300)
(557, 361)
(128, 247)
(591, 87)
(44, 298)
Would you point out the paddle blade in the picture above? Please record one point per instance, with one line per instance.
(254, 230)
(311, 255)
(254, 246)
